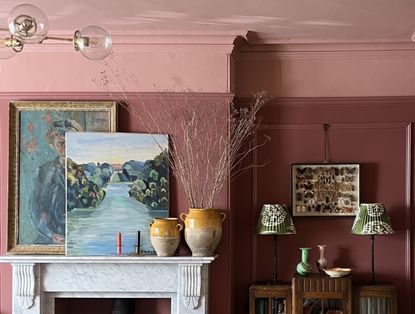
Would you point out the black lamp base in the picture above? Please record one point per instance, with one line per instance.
(274, 280)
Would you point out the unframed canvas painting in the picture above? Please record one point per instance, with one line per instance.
(116, 182)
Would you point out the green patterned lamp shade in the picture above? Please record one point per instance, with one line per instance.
(372, 219)
(275, 219)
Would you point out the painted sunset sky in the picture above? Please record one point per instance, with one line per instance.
(113, 148)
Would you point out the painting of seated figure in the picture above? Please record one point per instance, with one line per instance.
(37, 168)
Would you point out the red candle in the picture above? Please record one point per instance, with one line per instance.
(119, 244)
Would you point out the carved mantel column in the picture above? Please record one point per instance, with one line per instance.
(191, 285)
(24, 277)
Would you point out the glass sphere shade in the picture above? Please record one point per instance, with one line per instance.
(28, 23)
(93, 42)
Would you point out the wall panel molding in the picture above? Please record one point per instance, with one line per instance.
(11, 96)
(407, 159)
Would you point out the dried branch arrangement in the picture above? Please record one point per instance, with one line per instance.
(206, 138)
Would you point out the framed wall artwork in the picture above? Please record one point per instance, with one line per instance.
(116, 188)
(36, 210)
(325, 189)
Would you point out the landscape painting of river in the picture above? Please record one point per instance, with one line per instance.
(116, 183)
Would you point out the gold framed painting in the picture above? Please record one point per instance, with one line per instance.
(36, 211)
(325, 189)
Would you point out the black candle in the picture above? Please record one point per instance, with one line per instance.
(138, 242)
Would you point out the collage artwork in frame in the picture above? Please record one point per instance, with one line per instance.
(116, 183)
(36, 217)
(325, 189)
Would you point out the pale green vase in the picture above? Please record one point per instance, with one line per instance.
(304, 267)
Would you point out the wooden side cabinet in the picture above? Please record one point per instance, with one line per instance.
(322, 294)
(270, 299)
(375, 299)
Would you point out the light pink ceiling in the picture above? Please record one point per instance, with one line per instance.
(268, 20)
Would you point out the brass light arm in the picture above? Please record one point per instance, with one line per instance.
(76, 40)
(57, 38)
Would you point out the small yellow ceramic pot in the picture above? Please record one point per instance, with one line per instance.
(165, 235)
(203, 230)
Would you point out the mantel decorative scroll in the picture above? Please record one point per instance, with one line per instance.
(25, 284)
(191, 285)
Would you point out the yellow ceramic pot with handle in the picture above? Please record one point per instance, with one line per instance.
(165, 235)
(203, 230)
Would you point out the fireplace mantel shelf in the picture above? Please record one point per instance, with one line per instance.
(142, 259)
(39, 279)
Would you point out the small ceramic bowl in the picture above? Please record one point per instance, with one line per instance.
(337, 272)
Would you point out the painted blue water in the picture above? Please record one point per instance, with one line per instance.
(93, 231)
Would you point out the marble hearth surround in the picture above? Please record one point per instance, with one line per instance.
(38, 280)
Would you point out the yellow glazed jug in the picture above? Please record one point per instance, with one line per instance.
(203, 230)
(165, 235)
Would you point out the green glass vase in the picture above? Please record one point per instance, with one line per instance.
(304, 267)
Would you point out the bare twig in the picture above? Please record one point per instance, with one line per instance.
(204, 148)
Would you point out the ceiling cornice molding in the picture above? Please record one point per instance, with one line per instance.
(173, 38)
(212, 42)
(316, 46)
(313, 51)
(253, 39)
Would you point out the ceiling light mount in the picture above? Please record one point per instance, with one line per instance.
(27, 24)
(13, 43)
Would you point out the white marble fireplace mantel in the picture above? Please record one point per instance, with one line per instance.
(38, 280)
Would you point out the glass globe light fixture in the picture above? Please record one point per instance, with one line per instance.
(93, 42)
(28, 23)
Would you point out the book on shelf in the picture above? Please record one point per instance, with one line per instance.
(261, 306)
(278, 306)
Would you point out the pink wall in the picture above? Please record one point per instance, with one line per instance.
(220, 270)
(287, 70)
(331, 70)
(173, 62)
(171, 68)
(375, 132)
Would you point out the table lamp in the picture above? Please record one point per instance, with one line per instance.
(274, 220)
(372, 220)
